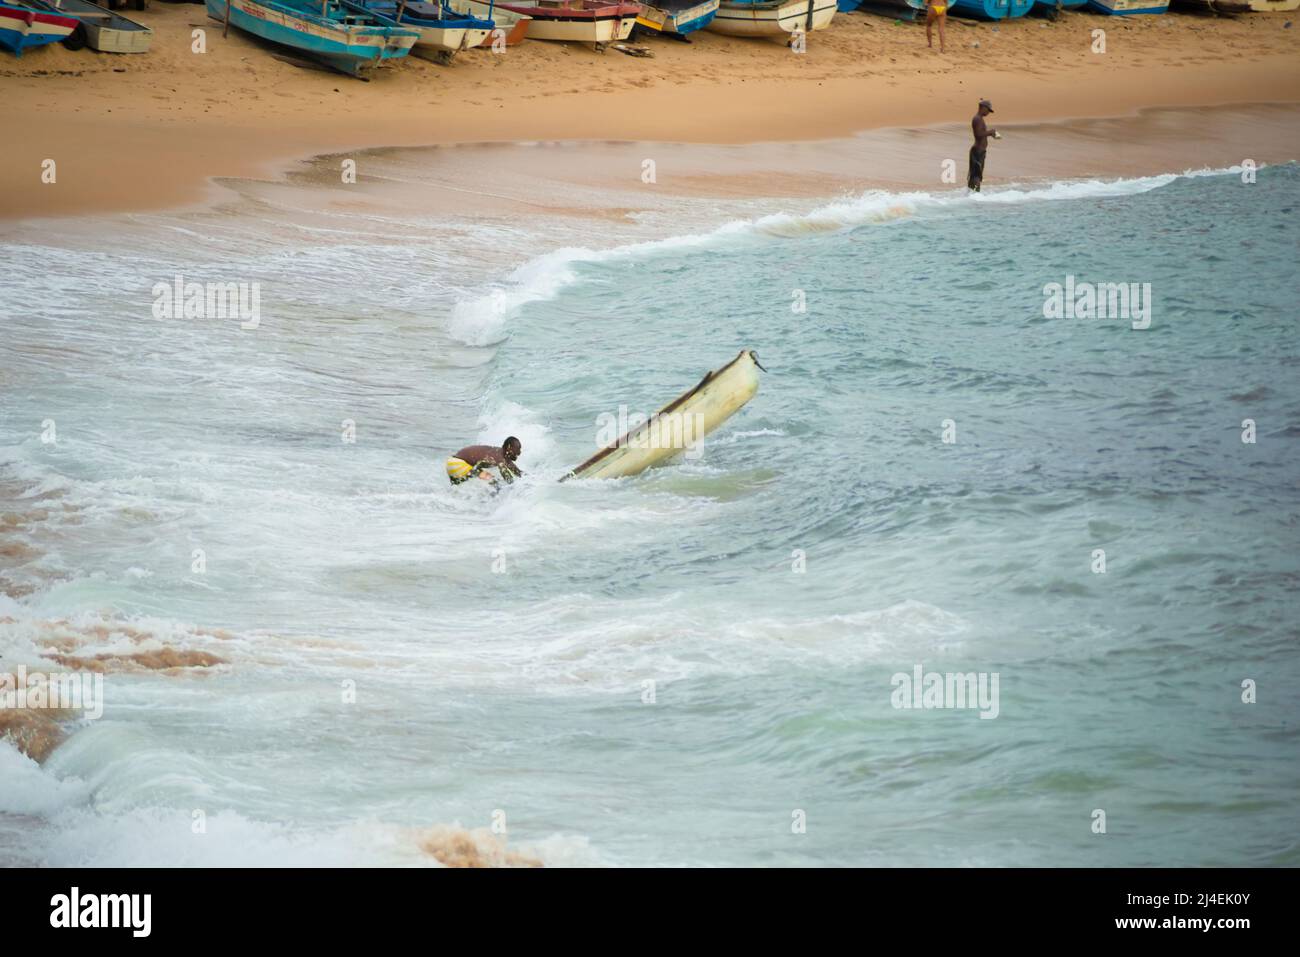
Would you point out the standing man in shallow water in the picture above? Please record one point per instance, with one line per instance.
(975, 172)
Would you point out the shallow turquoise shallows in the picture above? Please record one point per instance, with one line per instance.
(694, 666)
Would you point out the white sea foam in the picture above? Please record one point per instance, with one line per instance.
(578, 644)
(135, 807)
(501, 418)
(29, 789)
(482, 320)
(732, 438)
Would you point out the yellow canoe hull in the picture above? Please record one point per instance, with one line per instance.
(687, 419)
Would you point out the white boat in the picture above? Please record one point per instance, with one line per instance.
(687, 419)
(1126, 8)
(1269, 6)
(514, 26)
(579, 21)
(104, 30)
(443, 31)
(772, 18)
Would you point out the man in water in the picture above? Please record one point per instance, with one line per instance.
(975, 174)
(474, 461)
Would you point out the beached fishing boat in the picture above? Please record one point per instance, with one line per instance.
(847, 6)
(680, 425)
(1223, 7)
(443, 32)
(24, 27)
(1053, 8)
(1123, 8)
(581, 21)
(338, 33)
(100, 29)
(677, 17)
(513, 25)
(992, 9)
(1267, 6)
(772, 18)
(895, 9)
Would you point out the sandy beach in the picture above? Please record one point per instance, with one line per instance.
(152, 131)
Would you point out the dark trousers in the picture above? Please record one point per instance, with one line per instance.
(975, 175)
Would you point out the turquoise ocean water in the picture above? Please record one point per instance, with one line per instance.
(684, 667)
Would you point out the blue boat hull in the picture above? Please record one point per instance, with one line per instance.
(16, 42)
(17, 35)
(847, 6)
(690, 26)
(992, 9)
(449, 20)
(677, 18)
(350, 52)
(894, 9)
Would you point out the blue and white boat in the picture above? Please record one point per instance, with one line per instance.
(894, 9)
(1124, 8)
(509, 26)
(992, 9)
(22, 27)
(443, 31)
(339, 33)
(772, 18)
(677, 17)
(1052, 8)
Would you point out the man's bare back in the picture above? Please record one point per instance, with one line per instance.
(473, 461)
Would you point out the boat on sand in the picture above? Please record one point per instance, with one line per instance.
(581, 21)
(101, 29)
(443, 32)
(24, 27)
(510, 25)
(338, 33)
(772, 18)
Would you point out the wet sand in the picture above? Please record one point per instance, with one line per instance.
(606, 178)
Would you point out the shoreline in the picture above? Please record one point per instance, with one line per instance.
(239, 113)
(602, 178)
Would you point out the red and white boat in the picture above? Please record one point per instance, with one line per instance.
(22, 27)
(584, 21)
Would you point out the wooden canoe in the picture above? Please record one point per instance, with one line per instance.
(718, 396)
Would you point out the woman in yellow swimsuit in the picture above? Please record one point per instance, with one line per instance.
(935, 10)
